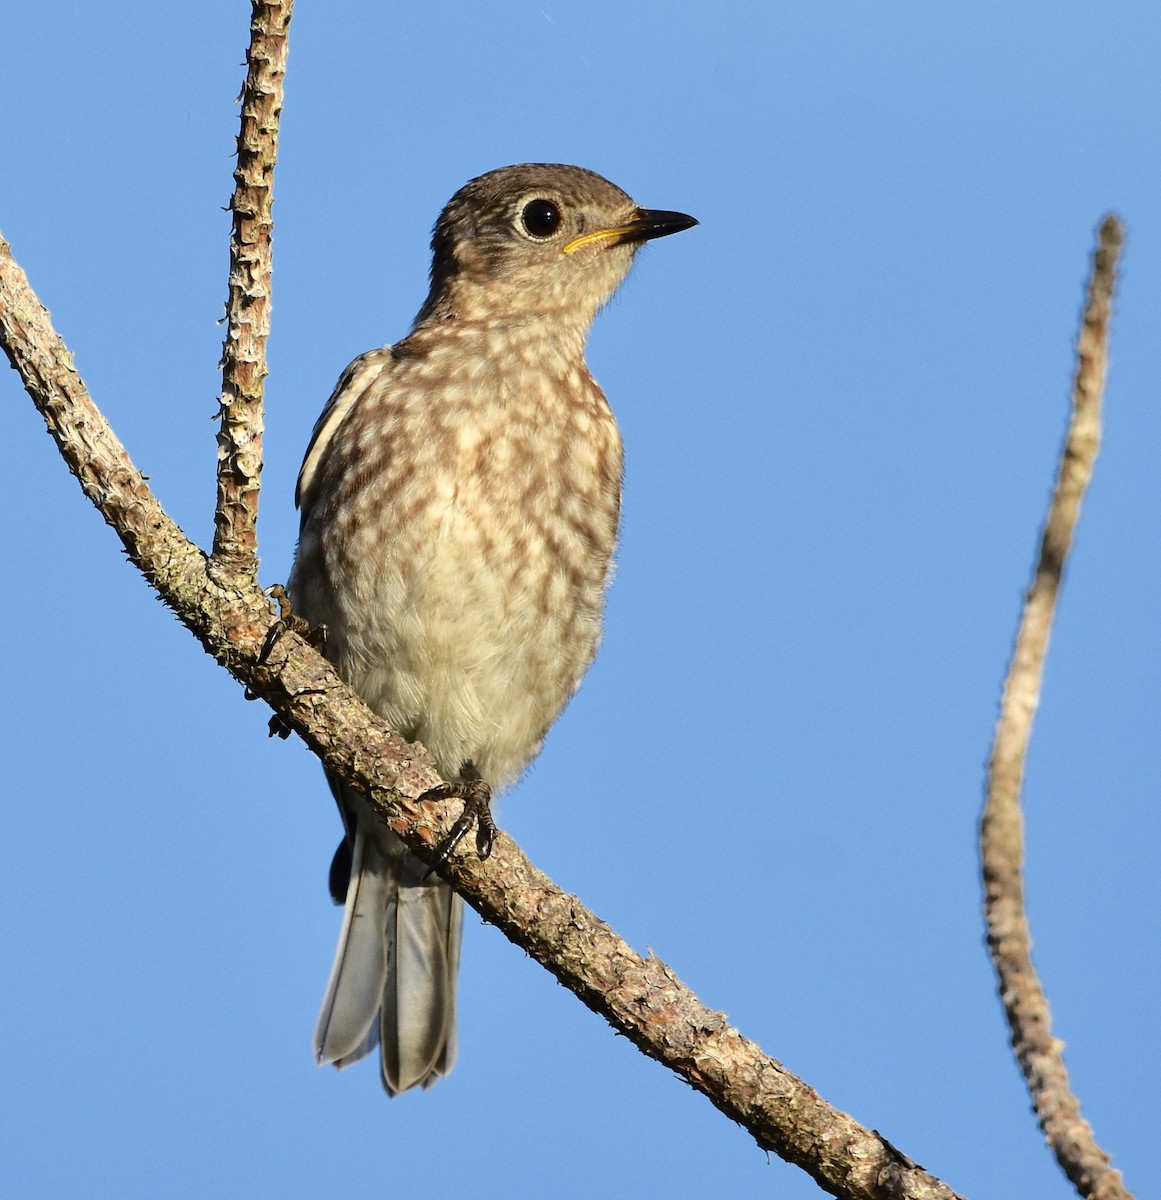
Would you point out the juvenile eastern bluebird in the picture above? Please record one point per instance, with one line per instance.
(460, 498)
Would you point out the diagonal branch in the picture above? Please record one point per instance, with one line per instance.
(235, 551)
(639, 996)
(1001, 833)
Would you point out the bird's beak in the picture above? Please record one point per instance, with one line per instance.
(648, 223)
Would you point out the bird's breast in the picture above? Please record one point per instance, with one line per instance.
(469, 549)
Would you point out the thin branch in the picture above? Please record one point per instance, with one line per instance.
(640, 997)
(1001, 832)
(248, 308)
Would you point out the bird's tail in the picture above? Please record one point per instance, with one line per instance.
(394, 976)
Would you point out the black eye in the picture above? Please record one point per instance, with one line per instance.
(541, 218)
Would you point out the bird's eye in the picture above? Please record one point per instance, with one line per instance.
(541, 218)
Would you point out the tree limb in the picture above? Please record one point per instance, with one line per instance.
(1001, 831)
(235, 550)
(640, 997)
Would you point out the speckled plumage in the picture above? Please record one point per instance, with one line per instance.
(460, 500)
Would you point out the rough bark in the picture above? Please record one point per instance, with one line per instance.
(235, 547)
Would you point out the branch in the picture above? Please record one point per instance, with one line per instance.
(640, 997)
(235, 551)
(1001, 831)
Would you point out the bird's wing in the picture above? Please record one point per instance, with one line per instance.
(352, 384)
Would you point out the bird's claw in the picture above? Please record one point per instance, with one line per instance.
(477, 798)
(289, 621)
(286, 621)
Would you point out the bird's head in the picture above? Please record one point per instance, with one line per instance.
(536, 240)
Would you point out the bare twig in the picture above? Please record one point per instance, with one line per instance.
(1001, 834)
(248, 308)
(641, 997)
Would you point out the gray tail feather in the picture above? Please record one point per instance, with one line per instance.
(417, 1027)
(394, 976)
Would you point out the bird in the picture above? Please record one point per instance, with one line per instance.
(459, 501)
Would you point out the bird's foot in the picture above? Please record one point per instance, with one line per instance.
(477, 798)
(288, 621)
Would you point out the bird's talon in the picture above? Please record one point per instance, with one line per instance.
(485, 832)
(477, 798)
(272, 635)
(289, 620)
(278, 727)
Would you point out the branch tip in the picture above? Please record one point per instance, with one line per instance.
(1039, 1054)
(244, 371)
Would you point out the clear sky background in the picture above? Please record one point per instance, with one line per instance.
(842, 398)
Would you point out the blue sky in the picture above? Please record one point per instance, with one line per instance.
(842, 398)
